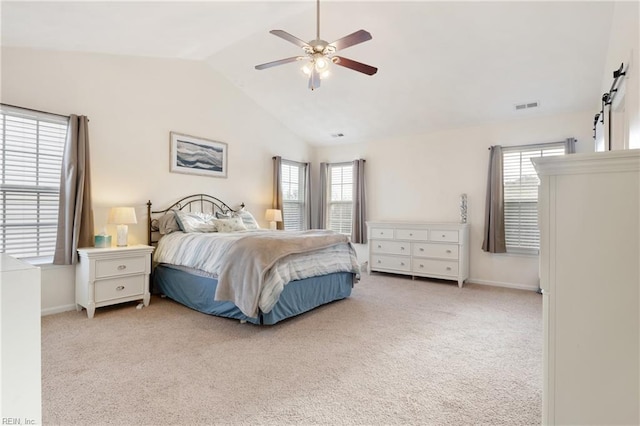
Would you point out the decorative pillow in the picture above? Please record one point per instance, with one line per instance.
(229, 225)
(223, 215)
(196, 222)
(167, 223)
(247, 218)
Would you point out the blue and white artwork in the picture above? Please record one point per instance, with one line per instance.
(198, 156)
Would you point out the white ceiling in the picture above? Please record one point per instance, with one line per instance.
(441, 64)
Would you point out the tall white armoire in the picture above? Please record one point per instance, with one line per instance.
(590, 276)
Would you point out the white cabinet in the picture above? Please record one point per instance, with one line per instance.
(436, 250)
(106, 276)
(20, 391)
(590, 276)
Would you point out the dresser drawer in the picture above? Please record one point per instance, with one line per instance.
(442, 251)
(390, 247)
(435, 267)
(411, 234)
(121, 266)
(396, 263)
(116, 288)
(444, 236)
(382, 233)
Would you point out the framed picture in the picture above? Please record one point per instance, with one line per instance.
(198, 156)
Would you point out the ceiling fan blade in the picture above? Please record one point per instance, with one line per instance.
(314, 79)
(354, 65)
(358, 37)
(292, 39)
(278, 62)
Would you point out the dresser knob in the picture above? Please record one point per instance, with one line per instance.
(442, 235)
(421, 265)
(122, 267)
(402, 263)
(120, 288)
(401, 248)
(379, 261)
(421, 249)
(448, 268)
(379, 246)
(448, 251)
(411, 234)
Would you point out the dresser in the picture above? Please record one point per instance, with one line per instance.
(420, 249)
(20, 395)
(589, 218)
(106, 276)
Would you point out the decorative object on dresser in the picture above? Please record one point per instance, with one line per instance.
(122, 216)
(463, 208)
(436, 250)
(589, 209)
(107, 276)
(198, 156)
(273, 216)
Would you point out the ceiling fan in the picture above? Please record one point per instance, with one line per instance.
(319, 53)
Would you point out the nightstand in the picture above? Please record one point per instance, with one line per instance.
(107, 276)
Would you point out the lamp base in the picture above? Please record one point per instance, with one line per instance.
(272, 226)
(122, 235)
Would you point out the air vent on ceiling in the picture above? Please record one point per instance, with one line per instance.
(527, 105)
(337, 135)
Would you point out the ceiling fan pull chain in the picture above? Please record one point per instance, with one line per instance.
(318, 20)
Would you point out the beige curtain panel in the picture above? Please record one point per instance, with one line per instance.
(494, 234)
(359, 219)
(277, 188)
(75, 216)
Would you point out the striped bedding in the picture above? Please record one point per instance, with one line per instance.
(213, 252)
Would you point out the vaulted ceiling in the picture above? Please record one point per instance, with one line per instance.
(441, 64)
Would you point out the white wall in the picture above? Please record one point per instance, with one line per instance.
(421, 177)
(133, 103)
(624, 44)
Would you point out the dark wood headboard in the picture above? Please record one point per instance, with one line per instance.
(192, 203)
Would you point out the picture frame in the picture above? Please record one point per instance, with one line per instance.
(197, 156)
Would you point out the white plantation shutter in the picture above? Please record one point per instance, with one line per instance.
(340, 203)
(293, 196)
(521, 195)
(30, 164)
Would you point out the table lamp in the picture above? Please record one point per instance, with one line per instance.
(122, 216)
(273, 216)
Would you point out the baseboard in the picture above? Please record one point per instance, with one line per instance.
(501, 284)
(57, 310)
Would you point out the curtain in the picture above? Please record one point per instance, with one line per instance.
(359, 215)
(75, 216)
(322, 210)
(277, 188)
(307, 196)
(570, 146)
(494, 234)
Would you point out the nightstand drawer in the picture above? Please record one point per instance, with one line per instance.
(435, 267)
(390, 247)
(121, 266)
(117, 288)
(443, 251)
(445, 236)
(391, 262)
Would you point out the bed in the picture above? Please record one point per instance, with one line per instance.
(217, 260)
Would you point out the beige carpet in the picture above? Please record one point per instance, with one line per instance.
(396, 352)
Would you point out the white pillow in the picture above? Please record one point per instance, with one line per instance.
(247, 218)
(196, 222)
(229, 225)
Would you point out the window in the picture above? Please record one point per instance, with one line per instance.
(30, 165)
(340, 204)
(293, 195)
(521, 195)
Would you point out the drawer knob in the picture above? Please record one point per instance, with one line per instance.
(381, 233)
(448, 251)
(421, 249)
(411, 234)
(379, 261)
(120, 288)
(402, 263)
(448, 268)
(122, 267)
(421, 265)
(442, 235)
(401, 248)
(379, 246)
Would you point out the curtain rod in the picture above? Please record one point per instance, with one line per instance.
(36, 110)
(536, 144)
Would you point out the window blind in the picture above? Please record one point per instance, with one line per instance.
(521, 195)
(293, 196)
(30, 165)
(340, 204)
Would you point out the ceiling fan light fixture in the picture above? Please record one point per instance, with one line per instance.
(321, 64)
(306, 69)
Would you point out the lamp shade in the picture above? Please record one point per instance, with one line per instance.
(273, 215)
(122, 215)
